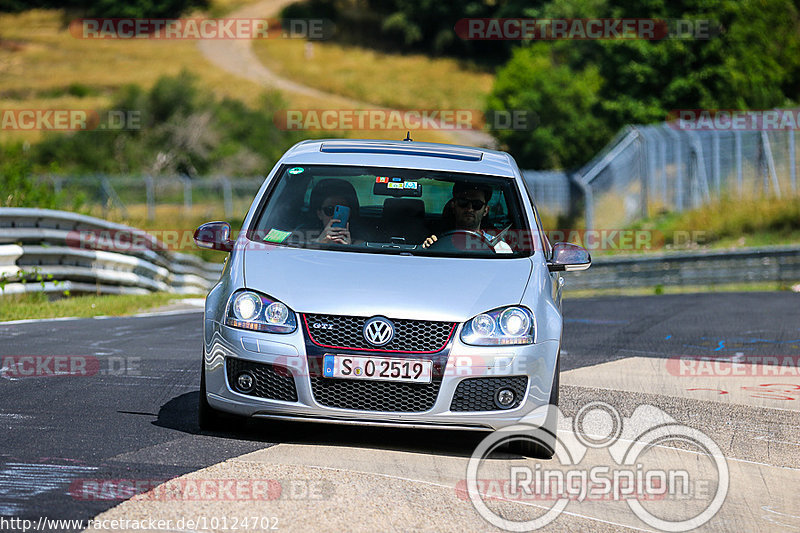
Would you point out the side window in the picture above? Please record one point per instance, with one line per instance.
(539, 229)
(543, 234)
(498, 210)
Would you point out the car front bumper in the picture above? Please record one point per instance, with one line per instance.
(536, 361)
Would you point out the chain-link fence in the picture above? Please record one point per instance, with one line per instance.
(551, 190)
(643, 171)
(650, 169)
(142, 196)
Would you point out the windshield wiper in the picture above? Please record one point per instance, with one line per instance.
(499, 237)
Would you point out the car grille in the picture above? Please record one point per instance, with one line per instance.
(477, 394)
(273, 382)
(411, 336)
(368, 395)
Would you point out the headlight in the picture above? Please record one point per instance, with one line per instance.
(246, 306)
(251, 310)
(508, 325)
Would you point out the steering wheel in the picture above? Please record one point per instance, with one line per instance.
(462, 240)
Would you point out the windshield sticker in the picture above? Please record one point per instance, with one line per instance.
(296, 170)
(397, 187)
(276, 235)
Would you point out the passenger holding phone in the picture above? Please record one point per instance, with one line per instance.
(335, 204)
(334, 213)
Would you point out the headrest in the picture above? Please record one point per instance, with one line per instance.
(403, 208)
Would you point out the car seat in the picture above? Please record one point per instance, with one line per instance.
(404, 218)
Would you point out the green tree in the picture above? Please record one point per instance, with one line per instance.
(584, 91)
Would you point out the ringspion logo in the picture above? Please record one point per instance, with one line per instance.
(601, 457)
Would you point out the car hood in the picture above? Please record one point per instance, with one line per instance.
(366, 284)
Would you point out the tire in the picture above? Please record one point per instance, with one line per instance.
(208, 418)
(543, 448)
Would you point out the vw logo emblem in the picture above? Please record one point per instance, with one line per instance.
(378, 331)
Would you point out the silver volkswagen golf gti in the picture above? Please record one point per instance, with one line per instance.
(386, 284)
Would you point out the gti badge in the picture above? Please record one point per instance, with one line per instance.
(378, 331)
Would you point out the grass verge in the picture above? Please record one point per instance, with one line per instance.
(726, 224)
(730, 222)
(764, 286)
(37, 305)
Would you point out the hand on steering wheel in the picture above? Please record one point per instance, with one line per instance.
(472, 240)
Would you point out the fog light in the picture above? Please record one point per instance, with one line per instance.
(245, 382)
(505, 398)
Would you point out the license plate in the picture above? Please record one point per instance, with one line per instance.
(377, 368)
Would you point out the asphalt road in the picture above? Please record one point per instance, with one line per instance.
(134, 417)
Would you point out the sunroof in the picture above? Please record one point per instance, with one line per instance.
(461, 154)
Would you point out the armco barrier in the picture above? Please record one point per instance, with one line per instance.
(772, 264)
(36, 240)
(36, 247)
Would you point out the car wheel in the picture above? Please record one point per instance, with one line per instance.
(542, 447)
(208, 418)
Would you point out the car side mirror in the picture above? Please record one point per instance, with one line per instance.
(214, 236)
(567, 256)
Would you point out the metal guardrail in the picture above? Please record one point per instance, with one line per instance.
(770, 264)
(43, 250)
(42, 242)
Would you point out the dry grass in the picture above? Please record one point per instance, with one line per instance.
(40, 59)
(395, 81)
(46, 58)
(731, 223)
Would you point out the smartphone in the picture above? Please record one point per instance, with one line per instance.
(342, 213)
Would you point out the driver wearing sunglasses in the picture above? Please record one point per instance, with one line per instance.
(470, 204)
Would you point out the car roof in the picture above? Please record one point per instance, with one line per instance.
(401, 154)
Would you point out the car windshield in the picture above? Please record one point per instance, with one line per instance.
(391, 210)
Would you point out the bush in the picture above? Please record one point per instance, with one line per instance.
(19, 189)
(182, 130)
